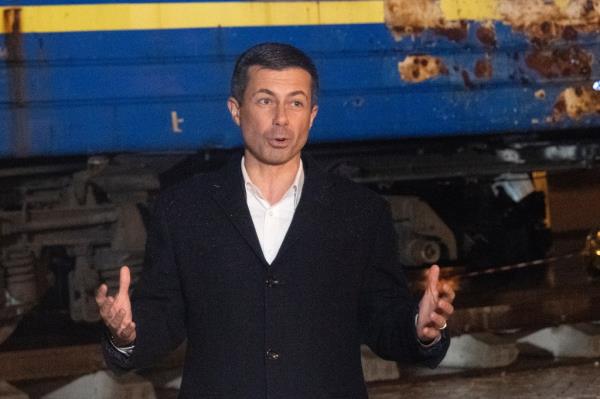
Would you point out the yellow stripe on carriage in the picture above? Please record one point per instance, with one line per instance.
(454, 10)
(150, 16)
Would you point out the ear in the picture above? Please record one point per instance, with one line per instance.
(313, 114)
(234, 109)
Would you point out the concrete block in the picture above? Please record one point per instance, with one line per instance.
(482, 350)
(164, 378)
(104, 385)
(7, 391)
(377, 369)
(577, 340)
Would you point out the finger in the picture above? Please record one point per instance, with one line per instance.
(438, 321)
(124, 280)
(106, 309)
(447, 292)
(128, 332)
(117, 321)
(429, 333)
(433, 277)
(101, 294)
(445, 309)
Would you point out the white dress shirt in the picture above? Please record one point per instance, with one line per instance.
(272, 221)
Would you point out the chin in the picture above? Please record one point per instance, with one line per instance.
(278, 157)
(277, 160)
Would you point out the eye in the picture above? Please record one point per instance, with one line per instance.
(297, 104)
(264, 101)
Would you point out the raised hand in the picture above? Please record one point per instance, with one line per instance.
(435, 307)
(116, 311)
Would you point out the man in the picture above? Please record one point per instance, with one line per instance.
(274, 270)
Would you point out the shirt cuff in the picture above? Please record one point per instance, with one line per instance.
(126, 350)
(424, 344)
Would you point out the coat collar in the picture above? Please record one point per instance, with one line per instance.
(227, 188)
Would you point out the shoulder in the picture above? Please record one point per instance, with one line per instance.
(356, 198)
(185, 195)
(344, 192)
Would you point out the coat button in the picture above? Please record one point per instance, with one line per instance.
(272, 355)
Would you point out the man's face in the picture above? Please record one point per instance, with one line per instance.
(275, 115)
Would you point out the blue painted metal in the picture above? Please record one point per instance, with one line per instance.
(97, 92)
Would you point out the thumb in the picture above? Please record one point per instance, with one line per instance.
(433, 277)
(124, 281)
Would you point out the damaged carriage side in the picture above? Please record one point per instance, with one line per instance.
(443, 106)
(557, 37)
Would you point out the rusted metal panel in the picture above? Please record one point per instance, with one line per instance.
(541, 20)
(412, 17)
(552, 28)
(15, 63)
(560, 62)
(417, 68)
(576, 102)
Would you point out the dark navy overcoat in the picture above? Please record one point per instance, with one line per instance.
(289, 330)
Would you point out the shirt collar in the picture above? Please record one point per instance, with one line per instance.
(296, 186)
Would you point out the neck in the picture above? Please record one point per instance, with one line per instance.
(273, 181)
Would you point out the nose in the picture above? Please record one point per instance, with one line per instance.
(280, 118)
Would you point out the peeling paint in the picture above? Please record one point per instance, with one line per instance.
(561, 62)
(16, 70)
(540, 94)
(576, 102)
(537, 18)
(486, 35)
(418, 68)
(455, 34)
(411, 17)
(543, 20)
(569, 33)
(548, 20)
(552, 26)
(484, 69)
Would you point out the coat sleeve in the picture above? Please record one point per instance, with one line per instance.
(157, 300)
(387, 310)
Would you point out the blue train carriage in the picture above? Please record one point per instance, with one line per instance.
(424, 100)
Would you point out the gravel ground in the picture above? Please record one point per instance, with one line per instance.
(565, 382)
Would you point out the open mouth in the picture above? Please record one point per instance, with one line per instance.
(279, 142)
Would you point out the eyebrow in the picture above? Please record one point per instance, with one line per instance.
(266, 91)
(269, 92)
(295, 93)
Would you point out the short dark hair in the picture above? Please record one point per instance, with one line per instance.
(275, 56)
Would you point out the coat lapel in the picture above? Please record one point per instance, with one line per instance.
(313, 207)
(227, 188)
